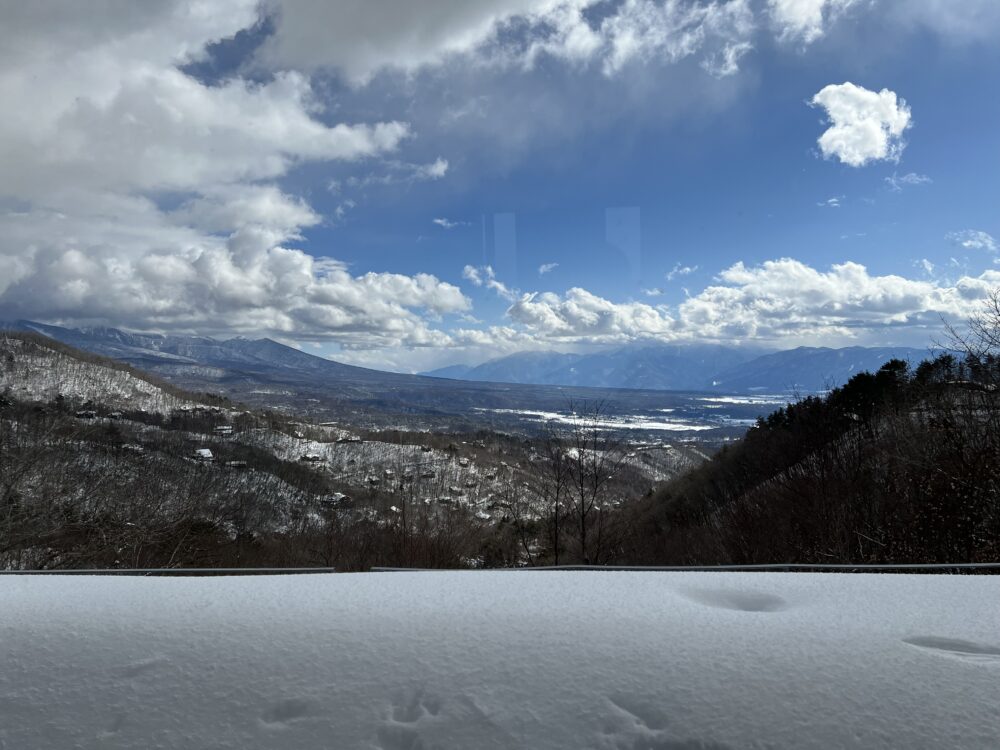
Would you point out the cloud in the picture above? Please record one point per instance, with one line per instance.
(805, 21)
(342, 209)
(546, 267)
(965, 21)
(679, 270)
(581, 316)
(784, 301)
(506, 33)
(355, 39)
(644, 30)
(433, 171)
(484, 276)
(449, 224)
(726, 61)
(865, 126)
(897, 182)
(393, 172)
(405, 36)
(787, 299)
(654, 292)
(831, 202)
(973, 239)
(149, 199)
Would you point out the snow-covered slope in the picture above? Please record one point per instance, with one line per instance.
(651, 661)
(34, 371)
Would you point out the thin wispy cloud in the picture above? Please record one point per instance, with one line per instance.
(485, 276)
(546, 268)
(448, 223)
(680, 270)
(400, 173)
(897, 182)
(973, 239)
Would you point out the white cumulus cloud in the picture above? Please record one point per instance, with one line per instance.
(784, 301)
(101, 121)
(788, 299)
(865, 126)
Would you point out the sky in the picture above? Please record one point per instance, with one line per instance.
(410, 185)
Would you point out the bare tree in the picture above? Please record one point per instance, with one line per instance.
(595, 456)
(979, 343)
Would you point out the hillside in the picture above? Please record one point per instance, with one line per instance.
(898, 466)
(36, 368)
(105, 466)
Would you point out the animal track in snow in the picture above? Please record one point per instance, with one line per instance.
(953, 647)
(421, 720)
(401, 730)
(739, 601)
(416, 706)
(640, 727)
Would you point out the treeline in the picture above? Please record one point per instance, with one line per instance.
(897, 466)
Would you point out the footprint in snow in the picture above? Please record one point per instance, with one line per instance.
(638, 725)
(739, 601)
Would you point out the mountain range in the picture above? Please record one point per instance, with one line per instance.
(265, 374)
(636, 379)
(688, 368)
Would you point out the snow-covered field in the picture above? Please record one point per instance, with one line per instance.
(502, 659)
(623, 422)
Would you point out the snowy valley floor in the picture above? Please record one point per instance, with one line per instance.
(502, 659)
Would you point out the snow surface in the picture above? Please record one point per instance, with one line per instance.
(501, 659)
(624, 422)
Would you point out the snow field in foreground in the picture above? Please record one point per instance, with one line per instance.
(501, 659)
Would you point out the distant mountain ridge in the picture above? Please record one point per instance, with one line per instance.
(691, 367)
(168, 353)
(648, 367)
(811, 368)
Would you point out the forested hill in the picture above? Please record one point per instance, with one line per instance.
(901, 465)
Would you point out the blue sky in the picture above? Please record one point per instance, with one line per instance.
(663, 161)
